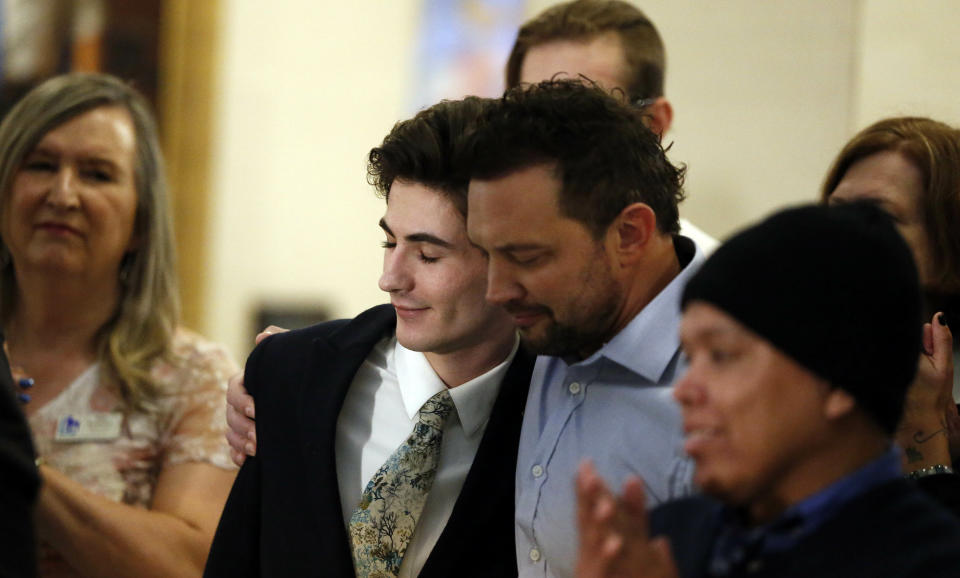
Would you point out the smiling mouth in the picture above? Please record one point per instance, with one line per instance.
(525, 317)
(409, 312)
(58, 228)
(696, 438)
(701, 432)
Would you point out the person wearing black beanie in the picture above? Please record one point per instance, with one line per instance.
(803, 335)
(833, 288)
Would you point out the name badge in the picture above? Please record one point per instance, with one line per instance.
(89, 427)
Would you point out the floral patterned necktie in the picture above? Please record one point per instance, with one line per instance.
(390, 506)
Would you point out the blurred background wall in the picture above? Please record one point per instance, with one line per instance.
(274, 206)
(765, 93)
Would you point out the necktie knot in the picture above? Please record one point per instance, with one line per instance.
(436, 410)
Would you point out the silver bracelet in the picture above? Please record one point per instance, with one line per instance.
(929, 471)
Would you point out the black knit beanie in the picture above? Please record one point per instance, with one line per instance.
(835, 288)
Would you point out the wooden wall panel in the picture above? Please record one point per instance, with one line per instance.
(188, 96)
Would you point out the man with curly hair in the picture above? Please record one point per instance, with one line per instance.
(575, 204)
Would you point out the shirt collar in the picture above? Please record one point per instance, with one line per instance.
(821, 505)
(650, 341)
(473, 400)
(737, 544)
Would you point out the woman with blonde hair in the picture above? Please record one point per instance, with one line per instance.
(127, 407)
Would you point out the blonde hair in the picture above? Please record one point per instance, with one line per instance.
(141, 329)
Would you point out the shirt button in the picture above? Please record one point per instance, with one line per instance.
(535, 554)
(537, 471)
(575, 387)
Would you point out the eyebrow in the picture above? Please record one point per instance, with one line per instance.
(872, 196)
(417, 237)
(519, 247)
(94, 157)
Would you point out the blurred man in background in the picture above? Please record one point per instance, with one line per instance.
(610, 42)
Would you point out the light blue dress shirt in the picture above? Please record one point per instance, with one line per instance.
(615, 408)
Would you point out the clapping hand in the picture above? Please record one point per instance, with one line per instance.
(614, 532)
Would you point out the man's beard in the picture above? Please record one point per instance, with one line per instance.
(579, 339)
(566, 341)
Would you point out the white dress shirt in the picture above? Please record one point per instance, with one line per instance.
(379, 413)
(706, 243)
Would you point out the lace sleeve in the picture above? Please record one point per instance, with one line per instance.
(196, 423)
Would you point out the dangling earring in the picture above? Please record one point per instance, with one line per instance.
(126, 266)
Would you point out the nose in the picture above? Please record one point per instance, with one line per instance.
(689, 390)
(63, 192)
(395, 277)
(502, 286)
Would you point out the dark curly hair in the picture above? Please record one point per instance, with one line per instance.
(605, 156)
(427, 149)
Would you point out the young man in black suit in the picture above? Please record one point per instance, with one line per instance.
(335, 400)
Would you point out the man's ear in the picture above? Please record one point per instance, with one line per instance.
(838, 403)
(632, 230)
(660, 113)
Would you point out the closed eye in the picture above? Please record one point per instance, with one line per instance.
(525, 259)
(98, 175)
(40, 166)
(721, 356)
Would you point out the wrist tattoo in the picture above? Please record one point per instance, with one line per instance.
(919, 438)
(913, 454)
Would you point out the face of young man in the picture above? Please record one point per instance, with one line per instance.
(545, 269)
(435, 277)
(753, 417)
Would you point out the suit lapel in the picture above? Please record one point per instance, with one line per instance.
(335, 360)
(483, 516)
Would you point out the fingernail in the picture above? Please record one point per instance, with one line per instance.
(252, 436)
(941, 319)
(249, 411)
(249, 449)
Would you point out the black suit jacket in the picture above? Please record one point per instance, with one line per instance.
(284, 518)
(18, 483)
